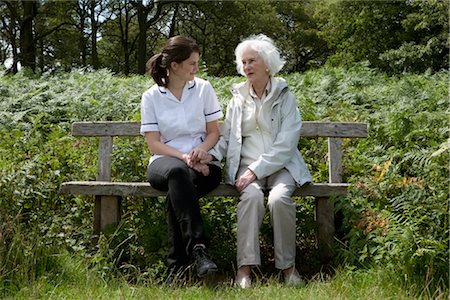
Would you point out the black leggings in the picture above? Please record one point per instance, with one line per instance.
(184, 187)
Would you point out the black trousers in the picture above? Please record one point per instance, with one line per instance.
(184, 187)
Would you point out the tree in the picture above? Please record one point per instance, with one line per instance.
(300, 41)
(143, 12)
(426, 43)
(392, 35)
(218, 26)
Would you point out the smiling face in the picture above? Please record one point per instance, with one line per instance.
(186, 70)
(254, 67)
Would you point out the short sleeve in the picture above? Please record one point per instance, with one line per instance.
(212, 109)
(149, 122)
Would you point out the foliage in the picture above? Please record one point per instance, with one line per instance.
(396, 214)
(395, 36)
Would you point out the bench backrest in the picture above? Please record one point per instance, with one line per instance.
(334, 131)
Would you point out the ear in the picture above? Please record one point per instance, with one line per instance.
(173, 65)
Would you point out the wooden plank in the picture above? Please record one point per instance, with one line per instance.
(144, 189)
(335, 160)
(107, 128)
(110, 211)
(325, 230)
(309, 129)
(334, 129)
(104, 158)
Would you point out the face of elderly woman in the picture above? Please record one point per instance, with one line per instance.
(254, 67)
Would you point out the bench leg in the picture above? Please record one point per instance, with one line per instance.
(107, 211)
(325, 231)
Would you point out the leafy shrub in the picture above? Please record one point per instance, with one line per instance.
(395, 214)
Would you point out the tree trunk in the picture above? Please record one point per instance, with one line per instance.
(82, 41)
(94, 58)
(173, 21)
(27, 43)
(142, 42)
(13, 37)
(143, 12)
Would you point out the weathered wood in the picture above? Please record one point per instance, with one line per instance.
(143, 189)
(309, 129)
(106, 128)
(111, 211)
(106, 208)
(104, 158)
(335, 159)
(325, 227)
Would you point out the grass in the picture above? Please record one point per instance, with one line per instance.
(76, 281)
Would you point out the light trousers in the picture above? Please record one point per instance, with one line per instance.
(250, 213)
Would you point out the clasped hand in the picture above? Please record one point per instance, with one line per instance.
(198, 160)
(244, 180)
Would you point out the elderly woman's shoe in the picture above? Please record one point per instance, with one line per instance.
(243, 282)
(243, 279)
(292, 278)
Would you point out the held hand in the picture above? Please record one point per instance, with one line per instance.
(244, 180)
(187, 159)
(202, 168)
(198, 155)
(207, 160)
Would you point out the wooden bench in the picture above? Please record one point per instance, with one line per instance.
(108, 195)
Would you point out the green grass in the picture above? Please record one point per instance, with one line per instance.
(77, 282)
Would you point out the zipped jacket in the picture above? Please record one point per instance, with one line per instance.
(286, 125)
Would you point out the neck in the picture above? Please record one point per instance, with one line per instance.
(260, 86)
(176, 84)
(176, 87)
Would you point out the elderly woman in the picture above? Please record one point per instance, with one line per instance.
(260, 139)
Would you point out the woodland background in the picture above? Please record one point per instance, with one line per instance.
(394, 36)
(380, 62)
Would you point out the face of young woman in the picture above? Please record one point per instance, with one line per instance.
(254, 66)
(187, 69)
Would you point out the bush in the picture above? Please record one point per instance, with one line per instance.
(396, 213)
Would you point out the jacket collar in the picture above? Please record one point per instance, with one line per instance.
(242, 89)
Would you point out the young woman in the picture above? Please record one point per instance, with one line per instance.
(180, 123)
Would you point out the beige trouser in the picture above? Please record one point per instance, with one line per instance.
(250, 213)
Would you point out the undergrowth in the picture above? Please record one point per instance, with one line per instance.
(395, 216)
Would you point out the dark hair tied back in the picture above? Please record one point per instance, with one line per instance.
(156, 70)
(177, 49)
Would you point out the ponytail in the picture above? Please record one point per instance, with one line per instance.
(157, 70)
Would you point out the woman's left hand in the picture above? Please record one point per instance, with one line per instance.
(244, 180)
(197, 155)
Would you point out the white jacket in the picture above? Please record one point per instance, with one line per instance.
(286, 124)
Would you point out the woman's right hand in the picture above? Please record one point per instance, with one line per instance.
(195, 164)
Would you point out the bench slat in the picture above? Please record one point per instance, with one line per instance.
(309, 129)
(143, 189)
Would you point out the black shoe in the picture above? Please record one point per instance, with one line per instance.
(205, 266)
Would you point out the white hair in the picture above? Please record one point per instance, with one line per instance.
(265, 48)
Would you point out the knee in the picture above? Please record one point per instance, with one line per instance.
(179, 171)
(279, 199)
(251, 197)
